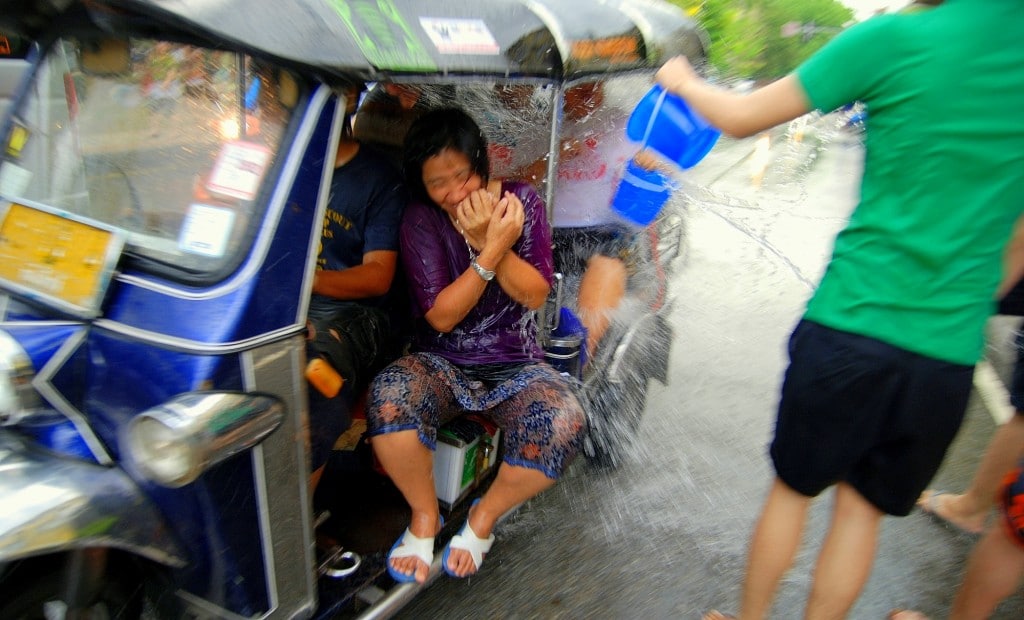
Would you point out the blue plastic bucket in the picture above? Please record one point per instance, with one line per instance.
(664, 122)
(641, 194)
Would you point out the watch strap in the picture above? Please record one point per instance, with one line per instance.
(486, 274)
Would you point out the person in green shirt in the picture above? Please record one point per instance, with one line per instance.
(881, 363)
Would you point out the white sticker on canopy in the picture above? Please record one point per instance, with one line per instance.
(460, 36)
(239, 169)
(205, 230)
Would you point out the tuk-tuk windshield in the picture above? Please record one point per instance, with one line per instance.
(165, 141)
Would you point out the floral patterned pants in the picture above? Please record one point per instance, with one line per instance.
(540, 417)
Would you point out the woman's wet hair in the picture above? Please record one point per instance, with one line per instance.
(436, 131)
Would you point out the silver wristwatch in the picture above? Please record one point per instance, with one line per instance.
(486, 274)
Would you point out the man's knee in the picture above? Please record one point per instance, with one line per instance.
(329, 345)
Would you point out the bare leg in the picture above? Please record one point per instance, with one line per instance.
(970, 510)
(512, 486)
(601, 290)
(846, 556)
(772, 549)
(410, 464)
(994, 572)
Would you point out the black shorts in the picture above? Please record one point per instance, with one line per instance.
(1017, 380)
(573, 247)
(858, 410)
(1013, 302)
(366, 342)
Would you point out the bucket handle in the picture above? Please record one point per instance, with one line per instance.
(667, 183)
(653, 117)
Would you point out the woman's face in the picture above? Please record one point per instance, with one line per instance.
(449, 178)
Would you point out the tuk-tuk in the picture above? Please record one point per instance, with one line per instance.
(163, 181)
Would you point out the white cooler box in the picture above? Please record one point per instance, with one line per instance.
(467, 449)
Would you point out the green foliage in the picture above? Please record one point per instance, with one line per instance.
(747, 36)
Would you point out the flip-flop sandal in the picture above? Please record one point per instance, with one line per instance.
(931, 508)
(410, 545)
(467, 540)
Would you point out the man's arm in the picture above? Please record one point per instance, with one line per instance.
(737, 114)
(372, 278)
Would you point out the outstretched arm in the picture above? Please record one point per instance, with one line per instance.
(738, 115)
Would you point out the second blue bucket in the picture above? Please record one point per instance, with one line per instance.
(664, 122)
(641, 194)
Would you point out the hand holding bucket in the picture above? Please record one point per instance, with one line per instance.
(664, 122)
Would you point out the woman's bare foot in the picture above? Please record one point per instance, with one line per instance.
(948, 507)
(412, 564)
(459, 558)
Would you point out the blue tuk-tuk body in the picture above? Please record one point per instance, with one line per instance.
(159, 228)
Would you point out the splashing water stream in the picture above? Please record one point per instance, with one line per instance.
(664, 533)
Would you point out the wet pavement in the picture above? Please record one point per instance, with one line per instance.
(665, 535)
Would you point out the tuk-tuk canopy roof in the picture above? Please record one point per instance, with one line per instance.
(371, 39)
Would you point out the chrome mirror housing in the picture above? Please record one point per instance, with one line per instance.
(175, 442)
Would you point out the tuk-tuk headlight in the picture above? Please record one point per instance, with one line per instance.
(173, 443)
(16, 392)
(162, 453)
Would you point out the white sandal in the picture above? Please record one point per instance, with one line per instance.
(467, 540)
(410, 546)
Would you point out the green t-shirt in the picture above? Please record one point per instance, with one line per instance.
(920, 259)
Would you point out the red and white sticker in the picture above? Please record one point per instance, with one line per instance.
(239, 169)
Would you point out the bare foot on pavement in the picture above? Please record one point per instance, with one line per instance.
(947, 507)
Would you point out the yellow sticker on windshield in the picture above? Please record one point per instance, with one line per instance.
(55, 258)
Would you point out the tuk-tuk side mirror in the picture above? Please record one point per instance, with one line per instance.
(106, 57)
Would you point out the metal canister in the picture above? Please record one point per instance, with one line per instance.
(563, 352)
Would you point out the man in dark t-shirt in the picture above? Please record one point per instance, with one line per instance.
(352, 311)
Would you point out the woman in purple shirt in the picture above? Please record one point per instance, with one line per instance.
(477, 256)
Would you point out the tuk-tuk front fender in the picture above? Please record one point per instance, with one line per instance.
(53, 504)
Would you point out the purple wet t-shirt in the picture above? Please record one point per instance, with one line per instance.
(434, 254)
